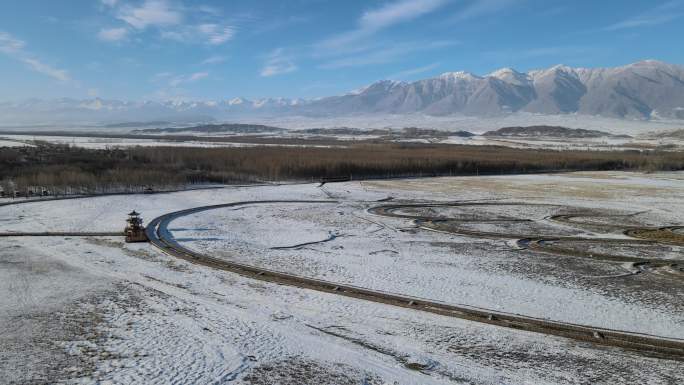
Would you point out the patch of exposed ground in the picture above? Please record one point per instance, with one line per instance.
(660, 235)
(133, 250)
(577, 185)
(33, 350)
(300, 371)
(584, 364)
(611, 279)
(63, 345)
(625, 251)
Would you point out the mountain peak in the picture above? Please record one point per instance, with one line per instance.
(236, 101)
(650, 63)
(504, 70)
(379, 85)
(509, 75)
(654, 64)
(560, 68)
(459, 75)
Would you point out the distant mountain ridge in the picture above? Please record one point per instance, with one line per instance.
(643, 90)
(551, 132)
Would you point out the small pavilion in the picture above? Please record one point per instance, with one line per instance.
(135, 231)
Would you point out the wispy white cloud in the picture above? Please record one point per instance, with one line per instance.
(413, 71)
(157, 13)
(386, 16)
(397, 12)
(171, 85)
(161, 76)
(45, 69)
(216, 59)
(278, 62)
(173, 80)
(10, 45)
(109, 3)
(385, 54)
(15, 48)
(210, 34)
(273, 24)
(664, 13)
(216, 34)
(479, 8)
(112, 34)
(197, 76)
(185, 79)
(173, 20)
(209, 10)
(359, 46)
(556, 53)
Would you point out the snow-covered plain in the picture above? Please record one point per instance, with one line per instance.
(597, 144)
(103, 143)
(583, 144)
(473, 124)
(4, 142)
(97, 309)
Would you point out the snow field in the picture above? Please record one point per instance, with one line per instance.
(168, 321)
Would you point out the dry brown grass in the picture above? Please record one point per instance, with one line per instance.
(658, 235)
(393, 160)
(109, 169)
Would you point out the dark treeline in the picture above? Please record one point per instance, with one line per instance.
(76, 170)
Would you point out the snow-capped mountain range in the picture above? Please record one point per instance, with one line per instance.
(643, 90)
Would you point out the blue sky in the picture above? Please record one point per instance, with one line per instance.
(211, 49)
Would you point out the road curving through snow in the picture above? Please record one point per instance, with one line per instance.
(159, 236)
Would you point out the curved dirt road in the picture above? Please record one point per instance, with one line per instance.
(157, 232)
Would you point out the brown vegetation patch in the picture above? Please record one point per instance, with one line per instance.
(299, 371)
(60, 167)
(660, 235)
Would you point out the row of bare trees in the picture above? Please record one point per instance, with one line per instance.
(69, 170)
